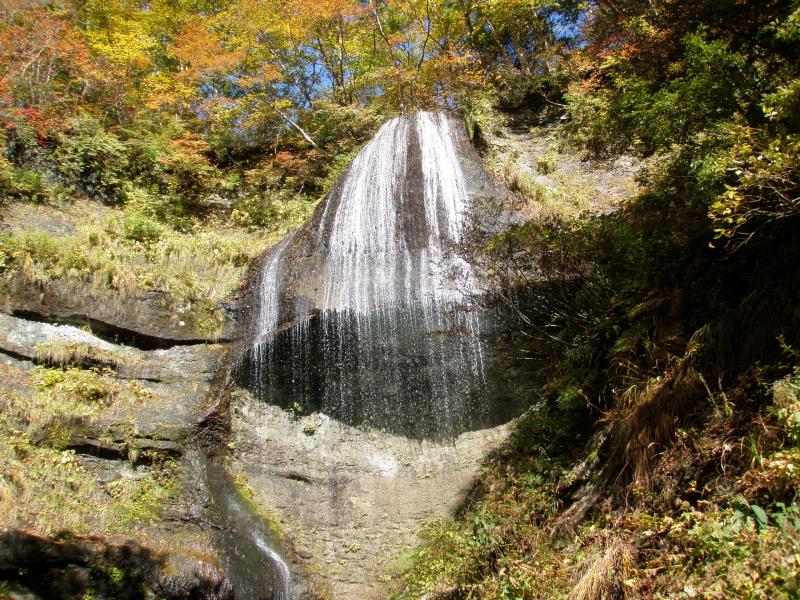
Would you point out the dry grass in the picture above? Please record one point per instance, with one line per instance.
(603, 576)
(560, 198)
(649, 428)
(82, 355)
(524, 182)
(46, 488)
(51, 398)
(195, 269)
(207, 264)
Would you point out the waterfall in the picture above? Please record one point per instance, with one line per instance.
(254, 566)
(269, 288)
(362, 313)
(365, 314)
(371, 263)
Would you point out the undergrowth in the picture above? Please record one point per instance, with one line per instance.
(127, 256)
(44, 486)
(721, 520)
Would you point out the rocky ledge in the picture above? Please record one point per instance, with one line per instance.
(111, 431)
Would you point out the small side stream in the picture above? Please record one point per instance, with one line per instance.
(248, 550)
(255, 568)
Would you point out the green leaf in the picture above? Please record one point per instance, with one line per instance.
(760, 515)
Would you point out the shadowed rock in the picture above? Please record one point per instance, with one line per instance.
(37, 567)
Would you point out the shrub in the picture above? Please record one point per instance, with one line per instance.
(786, 407)
(274, 214)
(28, 185)
(139, 227)
(23, 143)
(83, 385)
(33, 252)
(23, 183)
(91, 159)
(546, 163)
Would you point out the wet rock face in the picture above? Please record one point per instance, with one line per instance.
(351, 500)
(363, 314)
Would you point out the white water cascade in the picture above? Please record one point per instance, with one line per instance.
(361, 314)
(372, 262)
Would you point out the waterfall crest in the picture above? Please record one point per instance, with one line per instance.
(362, 313)
(383, 251)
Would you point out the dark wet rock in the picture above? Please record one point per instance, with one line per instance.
(196, 579)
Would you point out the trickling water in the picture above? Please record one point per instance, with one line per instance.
(361, 313)
(245, 542)
(286, 575)
(269, 306)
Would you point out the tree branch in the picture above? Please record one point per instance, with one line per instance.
(300, 129)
